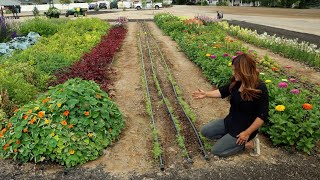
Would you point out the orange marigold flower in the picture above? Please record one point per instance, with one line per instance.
(25, 130)
(274, 69)
(15, 150)
(66, 113)
(18, 142)
(86, 113)
(71, 151)
(307, 106)
(29, 111)
(64, 122)
(98, 96)
(71, 126)
(16, 110)
(25, 117)
(5, 146)
(9, 125)
(41, 114)
(45, 100)
(1, 135)
(217, 45)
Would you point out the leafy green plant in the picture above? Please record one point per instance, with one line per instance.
(71, 124)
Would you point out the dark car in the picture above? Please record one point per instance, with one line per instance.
(114, 4)
(92, 6)
(103, 6)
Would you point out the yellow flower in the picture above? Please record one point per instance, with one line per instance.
(280, 108)
(268, 81)
(59, 104)
(71, 151)
(46, 121)
(50, 106)
(36, 108)
(208, 55)
(53, 134)
(230, 64)
(90, 134)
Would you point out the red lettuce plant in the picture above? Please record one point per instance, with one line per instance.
(93, 65)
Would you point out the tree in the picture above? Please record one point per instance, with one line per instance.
(65, 1)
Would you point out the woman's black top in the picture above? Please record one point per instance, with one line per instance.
(243, 113)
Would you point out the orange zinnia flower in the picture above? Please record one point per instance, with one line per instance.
(217, 45)
(274, 69)
(1, 135)
(64, 122)
(71, 126)
(86, 113)
(307, 106)
(18, 142)
(29, 111)
(25, 130)
(66, 113)
(15, 150)
(5, 146)
(41, 114)
(25, 117)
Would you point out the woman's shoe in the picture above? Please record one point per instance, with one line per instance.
(256, 147)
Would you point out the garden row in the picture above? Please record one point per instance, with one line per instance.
(294, 110)
(73, 122)
(304, 52)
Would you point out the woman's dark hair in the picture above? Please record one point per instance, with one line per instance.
(246, 70)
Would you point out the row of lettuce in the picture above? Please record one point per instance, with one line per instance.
(73, 121)
(294, 110)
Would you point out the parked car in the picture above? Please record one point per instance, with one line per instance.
(149, 5)
(102, 5)
(92, 6)
(114, 4)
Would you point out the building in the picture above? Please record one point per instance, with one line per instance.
(10, 3)
(32, 2)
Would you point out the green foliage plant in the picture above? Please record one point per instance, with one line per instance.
(70, 124)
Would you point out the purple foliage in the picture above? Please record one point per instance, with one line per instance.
(206, 19)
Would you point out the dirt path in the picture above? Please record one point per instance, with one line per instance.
(133, 152)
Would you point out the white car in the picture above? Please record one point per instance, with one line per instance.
(149, 5)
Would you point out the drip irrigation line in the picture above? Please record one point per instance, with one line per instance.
(149, 99)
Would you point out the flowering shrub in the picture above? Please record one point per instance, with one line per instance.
(71, 124)
(290, 123)
(8, 29)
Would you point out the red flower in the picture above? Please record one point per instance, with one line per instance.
(307, 106)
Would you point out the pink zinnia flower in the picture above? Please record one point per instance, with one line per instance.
(213, 56)
(295, 91)
(225, 55)
(239, 52)
(283, 85)
(293, 80)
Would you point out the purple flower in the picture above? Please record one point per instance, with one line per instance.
(233, 57)
(283, 85)
(293, 80)
(295, 91)
(213, 56)
(225, 55)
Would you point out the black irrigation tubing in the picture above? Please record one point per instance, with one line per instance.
(176, 96)
(149, 99)
(163, 98)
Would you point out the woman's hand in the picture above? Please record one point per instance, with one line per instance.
(199, 94)
(242, 138)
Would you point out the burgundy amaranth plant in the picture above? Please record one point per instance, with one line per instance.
(93, 65)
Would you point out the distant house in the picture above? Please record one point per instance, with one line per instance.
(10, 3)
(31, 2)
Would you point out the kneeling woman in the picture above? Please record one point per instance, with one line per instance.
(248, 111)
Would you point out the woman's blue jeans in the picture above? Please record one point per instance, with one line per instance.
(226, 144)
